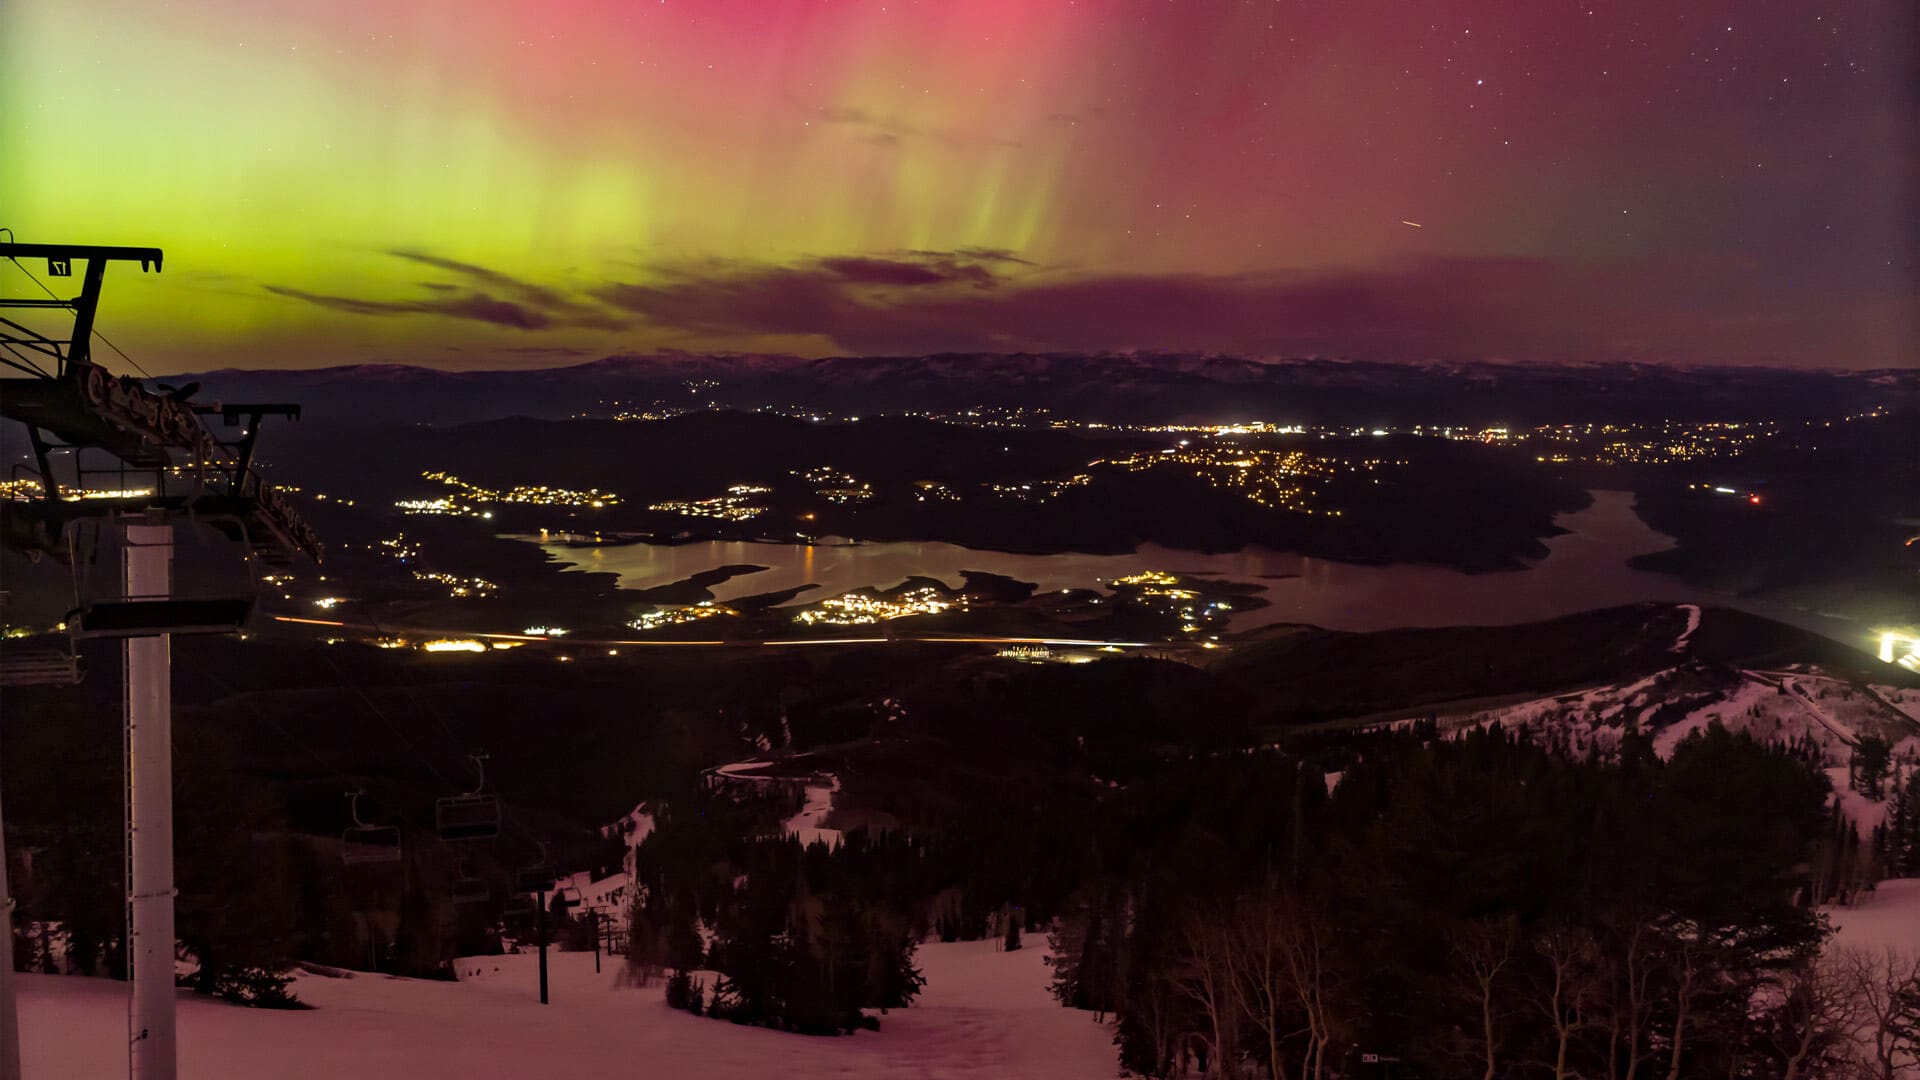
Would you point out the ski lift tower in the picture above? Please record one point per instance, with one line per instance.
(167, 466)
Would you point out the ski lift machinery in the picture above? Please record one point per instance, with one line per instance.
(171, 469)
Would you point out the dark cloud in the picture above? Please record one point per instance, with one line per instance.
(868, 271)
(474, 306)
(489, 296)
(924, 301)
(522, 291)
(926, 268)
(980, 254)
(559, 307)
(1465, 308)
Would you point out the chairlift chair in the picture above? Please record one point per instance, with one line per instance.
(113, 615)
(363, 844)
(539, 877)
(473, 815)
(133, 617)
(40, 660)
(468, 887)
(23, 664)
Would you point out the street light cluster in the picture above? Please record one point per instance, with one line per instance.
(1276, 479)
(526, 494)
(675, 616)
(855, 608)
(736, 505)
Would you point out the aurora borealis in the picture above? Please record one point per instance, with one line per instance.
(468, 184)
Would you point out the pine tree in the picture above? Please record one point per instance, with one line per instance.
(684, 948)
(1903, 826)
(897, 980)
(679, 990)
(1871, 758)
(1066, 944)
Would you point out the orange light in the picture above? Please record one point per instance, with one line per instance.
(308, 622)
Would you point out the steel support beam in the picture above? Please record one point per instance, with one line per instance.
(147, 556)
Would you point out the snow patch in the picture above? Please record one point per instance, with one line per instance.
(807, 823)
(983, 1013)
(1693, 623)
(1889, 916)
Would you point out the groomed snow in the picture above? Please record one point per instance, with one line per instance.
(1888, 917)
(1902, 698)
(984, 1013)
(1693, 623)
(807, 824)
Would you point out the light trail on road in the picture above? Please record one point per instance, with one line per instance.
(744, 643)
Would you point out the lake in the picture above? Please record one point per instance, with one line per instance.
(1585, 568)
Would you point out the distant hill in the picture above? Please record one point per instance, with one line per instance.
(1306, 674)
(1135, 387)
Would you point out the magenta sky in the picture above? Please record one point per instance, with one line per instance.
(489, 183)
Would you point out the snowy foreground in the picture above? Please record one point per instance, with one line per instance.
(984, 1013)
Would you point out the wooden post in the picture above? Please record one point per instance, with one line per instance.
(540, 931)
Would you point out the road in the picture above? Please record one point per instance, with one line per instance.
(542, 639)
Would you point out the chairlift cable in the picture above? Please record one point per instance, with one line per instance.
(382, 716)
(206, 671)
(413, 747)
(123, 355)
(416, 692)
(57, 297)
(26, 359)
(411, 686)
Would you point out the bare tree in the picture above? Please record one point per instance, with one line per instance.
(1483, 950)
(1812, 1015)
(1689, 968)
(1157, 1013)
(1310, 955)
(1630, 963)
(1204, 975)
(1263, 972)
(1885, 988)
(1566, 989)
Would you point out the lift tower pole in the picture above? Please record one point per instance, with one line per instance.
(71, 406)
(9, 1020)
(147, 557)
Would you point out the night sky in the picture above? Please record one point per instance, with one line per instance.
(484, 184)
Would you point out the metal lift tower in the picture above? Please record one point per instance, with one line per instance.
(168, 466)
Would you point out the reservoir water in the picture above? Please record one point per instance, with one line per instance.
(1585, 568)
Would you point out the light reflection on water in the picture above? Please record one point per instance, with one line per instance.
(1584, 569)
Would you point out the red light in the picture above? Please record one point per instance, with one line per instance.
(1754, 499)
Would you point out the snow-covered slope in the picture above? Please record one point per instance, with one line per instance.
(1776, 705)
(1889, 917)
(984, 1013)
